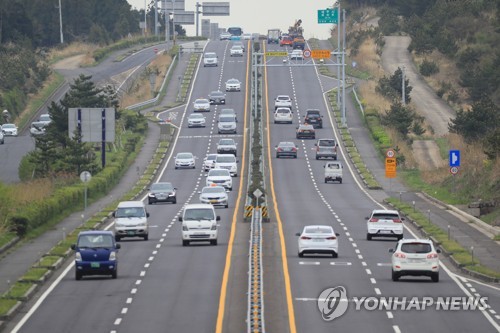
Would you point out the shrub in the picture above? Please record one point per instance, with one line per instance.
(428, 68)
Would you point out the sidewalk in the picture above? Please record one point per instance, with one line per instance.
(15, 262)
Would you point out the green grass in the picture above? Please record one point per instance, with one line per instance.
(460, 254)
(18, 290)
(6, 237)
(34, 274)
(444, 147)
(6, 304)
(47, 261)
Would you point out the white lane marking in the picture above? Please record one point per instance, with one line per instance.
(143, 273)
(368, 271)
(117, 321)
(357, 251)
(396, 329)
(309, 263)
(363, 263)
(146, 265)
(354, 245)
(377, 291)
(372, 280)
(468, 285)
(350, 238)
(348, 235)
(473, 290)
(151, 258)
(133, 291)
(389, 315)
(340, 263)
(384, 264)
(360, 256)
(138, 282)
(129, 300)
(124, 311)
(497, 317)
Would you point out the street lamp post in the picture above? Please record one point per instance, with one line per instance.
(60, 23)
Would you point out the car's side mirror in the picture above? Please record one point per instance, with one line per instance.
(73, 247)
(113, 214)
(217, 218)
(147, 214)
(199, 192)
(297, 234)
(180, 218)
(438, 250)
(118, 246)
(391, 250)
(337, 234)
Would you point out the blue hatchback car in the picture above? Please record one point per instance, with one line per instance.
(96, 254)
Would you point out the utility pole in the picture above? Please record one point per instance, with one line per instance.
(156, 18)
(403, 97)
(60, 23)
(145, 19)
(343, 70)
(167, 20)
(198, 12)
(173, 19)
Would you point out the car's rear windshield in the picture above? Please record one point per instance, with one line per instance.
(385, 216)
(214, 172)
(327, 143)
(214, 189)
(416, 248)
(130, 212)
(162, 187)
(94, 241)
(318, 230)
(226, 142)
(227, 119)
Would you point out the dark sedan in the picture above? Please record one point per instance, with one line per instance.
(162, 192)
(305, 132)
(217, 97)
(286, 149)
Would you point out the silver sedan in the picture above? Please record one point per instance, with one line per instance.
(233, 85)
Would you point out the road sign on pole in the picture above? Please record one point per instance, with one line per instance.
(390, 167)
(321, 54)
(454, 170)
(277, 54)
(328, 15)
(454, 158)
(306, 53)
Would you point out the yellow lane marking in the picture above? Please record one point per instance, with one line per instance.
(227, 267)
(288, 289)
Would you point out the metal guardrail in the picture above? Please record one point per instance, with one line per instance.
(155, 99)
(255, 313)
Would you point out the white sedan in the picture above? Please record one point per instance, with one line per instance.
(196, 120)
(215, 195)
(9, 129)
(233, 85)
(185, 160)
(201, 105)
(321, 239)
(236, 51)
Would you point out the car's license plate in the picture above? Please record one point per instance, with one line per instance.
(130, 232)
(95, 264)
(318, 240)
(385, 232)
(213, 201)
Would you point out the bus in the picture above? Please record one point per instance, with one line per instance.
(235, 32)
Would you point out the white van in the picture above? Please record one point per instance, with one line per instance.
(210, 59)
(333, 172)
(131, 220)
(199, 224)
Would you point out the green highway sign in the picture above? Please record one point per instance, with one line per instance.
(328, 15)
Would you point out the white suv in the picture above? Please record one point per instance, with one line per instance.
(228, 162)
(210, 59)
(283, 101)
(384, 223)
(415, 257)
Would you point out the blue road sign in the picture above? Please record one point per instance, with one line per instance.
(454, 158)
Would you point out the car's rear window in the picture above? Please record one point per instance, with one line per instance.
(416, 248)
(326, 143)
(385, 216)
(318, 230)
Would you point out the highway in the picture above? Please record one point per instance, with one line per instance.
(165, 287)
(301, 198)
(107, 72)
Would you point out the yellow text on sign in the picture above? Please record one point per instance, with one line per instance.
(390, 168)
(277, 54)
(320, 54)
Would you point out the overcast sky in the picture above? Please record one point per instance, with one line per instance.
(260, 15)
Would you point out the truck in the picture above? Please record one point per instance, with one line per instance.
(296, 33)
(333, 171)
(273, 36)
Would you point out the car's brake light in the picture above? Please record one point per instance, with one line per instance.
(396, 221)
(373, 220)
(399, 255)
(279, 149)
(294, 149)
(432, 256)
(331, 238)
(305, 237)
